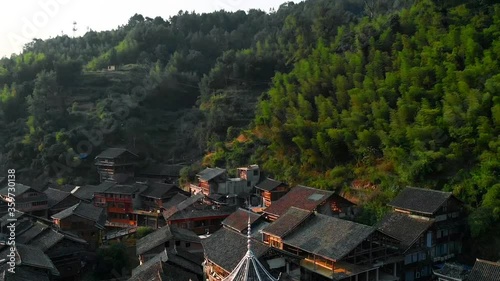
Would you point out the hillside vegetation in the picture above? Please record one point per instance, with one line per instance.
(363, 97)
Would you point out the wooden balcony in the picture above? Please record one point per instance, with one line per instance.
(120, 223)
(112, 163)
(119, 210)
(118, 200)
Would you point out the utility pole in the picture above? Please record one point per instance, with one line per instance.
(74, 29)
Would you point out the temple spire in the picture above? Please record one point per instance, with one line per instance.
(249, 268)
(249, 236)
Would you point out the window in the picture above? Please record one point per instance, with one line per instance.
(414, 257)
(417, 274)
(409, 276)
(407, 259)
(167, 244)
(177, 243)
(275, 242)
(188, 244)
(255, 172)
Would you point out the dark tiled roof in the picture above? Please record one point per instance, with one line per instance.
(485, 271)
(84, 210)
(226, 248)
(210, 173)
(328, 236)
(87, 192)
(163, 235)
(55, 196)
(112, 153)
(36, 229)
(200, 210)
(158, 190)
(51, 237)
(20, 189)
(23, 273)
(47, 240)
(124, 189)
(182, 205)
(192, 257)
(166, 266)
(239, 219)
(35, 257)
(420, 200)
(287, 222)
(175, 200)
(162, 170)
(17, 215)
(302, 197)
(269, 184)
(452, 270)
(403, 227)
(185, 261)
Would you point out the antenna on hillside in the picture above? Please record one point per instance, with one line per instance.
(74, 28)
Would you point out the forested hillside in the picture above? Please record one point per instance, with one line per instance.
(364, 97)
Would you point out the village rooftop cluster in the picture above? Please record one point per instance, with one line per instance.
(250, 227)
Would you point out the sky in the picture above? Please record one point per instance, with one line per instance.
(23, 20)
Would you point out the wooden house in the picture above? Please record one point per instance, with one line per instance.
(31, 264)
(161, 173)
(311, 199)
(59, 200)
(270, 190)
(64, 250)
(119, 201)
(195, 215)
(156, 194)
(168, 238)
(84, 220)
(332, 248)
(116, 164)
(209, 181)
(27, 199)
(430, 225)
(170, 265)
(250, 174)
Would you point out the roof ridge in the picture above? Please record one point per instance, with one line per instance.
(346, 221)
(314, 188)
(489, 262)
(430, 189)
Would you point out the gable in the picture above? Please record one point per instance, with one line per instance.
(303, 197)
(66, 202)
(420, 200)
